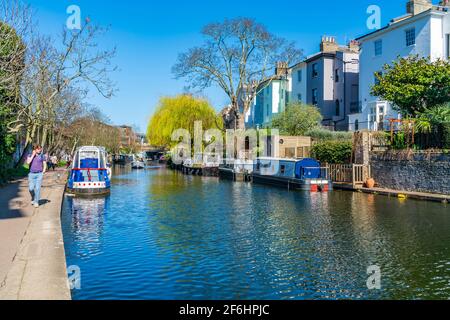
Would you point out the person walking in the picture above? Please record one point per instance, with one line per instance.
(37, 163)
(54, 162)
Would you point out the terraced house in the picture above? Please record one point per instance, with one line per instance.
(328, 79)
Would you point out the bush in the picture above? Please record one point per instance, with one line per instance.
(446, 135)
(322, 134)
(14, 173)
(62, 164)
(333, 152)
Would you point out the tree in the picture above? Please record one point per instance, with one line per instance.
(53, 74)
(180, 112)
(238, 56)
(15, 27)
(297, 119)
(414, 84)
(11, 67)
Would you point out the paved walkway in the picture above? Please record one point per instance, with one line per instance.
(397, 193)
(32, 257)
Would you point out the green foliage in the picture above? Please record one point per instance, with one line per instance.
(333, 152)
(14, 173)
(297, 120)
(9, 43)
(322, 134)
(180, 112)
(446, 134)
(414, 84)
(399, 141)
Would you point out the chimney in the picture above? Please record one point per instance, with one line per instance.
(329, 44)
(354, 46)
(415, 7)
(281, 69)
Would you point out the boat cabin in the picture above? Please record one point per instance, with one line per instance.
(90, 173)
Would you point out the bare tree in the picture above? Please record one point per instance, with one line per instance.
(52, 75)
(239, 56)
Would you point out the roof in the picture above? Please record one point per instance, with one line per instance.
(405, 19)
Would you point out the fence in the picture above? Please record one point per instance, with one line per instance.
(354, 174)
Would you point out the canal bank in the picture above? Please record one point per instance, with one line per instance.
(33, 263)
(433, 197)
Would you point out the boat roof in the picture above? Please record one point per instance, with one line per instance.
(278, 159)
(91, 149)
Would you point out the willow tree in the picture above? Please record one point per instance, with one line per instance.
(180, 112)
(238, 56)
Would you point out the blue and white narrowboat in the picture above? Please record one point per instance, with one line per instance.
(305, 174)
(90, 173)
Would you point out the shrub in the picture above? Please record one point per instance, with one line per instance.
(446, 135)
(322, 134)
(333, 152)
(14, 173)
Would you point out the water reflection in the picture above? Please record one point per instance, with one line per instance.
(86, 219)
(163, 235)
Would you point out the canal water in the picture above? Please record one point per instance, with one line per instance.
(163, 235)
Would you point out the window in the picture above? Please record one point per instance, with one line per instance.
(357, 125)
(289, 153)
(410, 35)
(315, 97)
(299, 75)
(299, 97)
(282, 169)
(336, 75)
(315, 70)
(378, 47)
(377, 75)
(338, 108)
(303, 152)
(448, 46)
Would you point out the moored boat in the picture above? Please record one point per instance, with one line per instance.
(138, 165)
(90, 173)
(305, 174)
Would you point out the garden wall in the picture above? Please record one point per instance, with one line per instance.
(412, 171)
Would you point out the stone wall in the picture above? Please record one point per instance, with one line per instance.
(412, 171)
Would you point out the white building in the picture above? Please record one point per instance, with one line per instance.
(423, 31)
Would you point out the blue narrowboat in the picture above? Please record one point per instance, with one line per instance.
(305, 174)
(90, 173)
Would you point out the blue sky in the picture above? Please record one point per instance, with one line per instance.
(150, 34)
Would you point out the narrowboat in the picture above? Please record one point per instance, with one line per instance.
(137, 164)
(304, 174)
(90, 173)
(236, 170)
